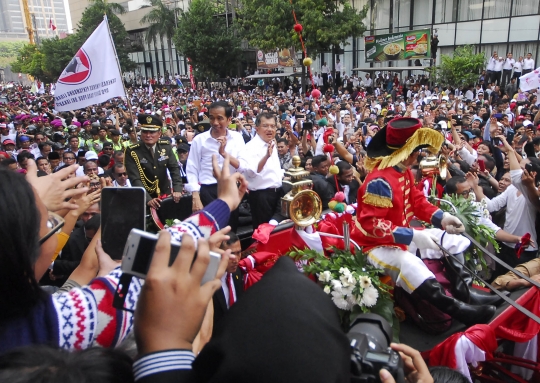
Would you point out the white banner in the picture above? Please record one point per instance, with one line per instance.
(530, 80)
(92, 76)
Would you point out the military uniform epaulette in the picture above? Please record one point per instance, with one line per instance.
(134, 146)
(163, 142)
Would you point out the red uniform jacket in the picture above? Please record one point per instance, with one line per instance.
(387, 201)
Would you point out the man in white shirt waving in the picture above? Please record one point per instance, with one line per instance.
(528, 64)
(218, 141)
(261, 167)
(507, 69)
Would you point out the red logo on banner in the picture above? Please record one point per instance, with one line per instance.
(78, 70)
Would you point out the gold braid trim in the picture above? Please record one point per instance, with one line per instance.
(150, 186)
(423, 136)
(377, 200)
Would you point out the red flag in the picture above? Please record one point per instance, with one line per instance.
(51, 25)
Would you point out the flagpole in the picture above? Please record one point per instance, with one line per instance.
(120, 70)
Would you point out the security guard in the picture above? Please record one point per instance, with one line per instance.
(147, 163)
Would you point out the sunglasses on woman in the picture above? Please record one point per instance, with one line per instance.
(54, 223)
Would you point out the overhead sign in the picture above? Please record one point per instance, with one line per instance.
(276, 59)
(409, 45)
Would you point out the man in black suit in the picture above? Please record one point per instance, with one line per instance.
(345, 181)
(232, 283)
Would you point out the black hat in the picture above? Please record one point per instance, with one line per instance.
(150, 122)
(203, 126)
(398, 140)
(54, 156)
(183, 147)
(115, 132)
(296, 316)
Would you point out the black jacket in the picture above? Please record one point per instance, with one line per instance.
(322, 188)
(220, 304)
(353, 189)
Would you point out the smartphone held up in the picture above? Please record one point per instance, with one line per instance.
(139, 251)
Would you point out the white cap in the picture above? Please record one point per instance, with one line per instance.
(90, 155)
(527, 123)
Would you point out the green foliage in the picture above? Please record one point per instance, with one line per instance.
(9, 51)
(93, 16)
(268, 24)
(29, 60)
(58, 53)
(204, 38)
(161, 20)
(352, 283)
(469, 213)
(461, 69)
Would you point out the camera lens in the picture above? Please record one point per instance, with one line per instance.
(375, 328)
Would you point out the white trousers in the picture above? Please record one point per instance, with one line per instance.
(405, 268)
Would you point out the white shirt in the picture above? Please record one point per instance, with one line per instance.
(491, 63)
(324, 69)
(271, 174)
(338, 67)
(528, 64)
(498, 65)
(199, 163)
(518, 66)
(520, 213)
(117, 185)
(509, 64)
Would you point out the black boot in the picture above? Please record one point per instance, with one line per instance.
(433, 292)
(462, 289)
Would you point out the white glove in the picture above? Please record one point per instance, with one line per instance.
(423, 240)
(452, 224)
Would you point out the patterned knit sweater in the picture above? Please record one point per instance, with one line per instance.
(85, 317)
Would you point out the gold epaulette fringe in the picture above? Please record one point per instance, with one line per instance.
(377, 200)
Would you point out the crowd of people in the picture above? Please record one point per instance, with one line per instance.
(225, 147)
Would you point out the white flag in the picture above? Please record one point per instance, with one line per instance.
(150, 90)
(92, 76)
(530, 80)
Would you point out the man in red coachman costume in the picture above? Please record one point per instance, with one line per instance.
(388, 200)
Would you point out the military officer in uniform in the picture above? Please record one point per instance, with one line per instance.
(147, 162)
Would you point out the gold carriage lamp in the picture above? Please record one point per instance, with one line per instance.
(432, 166)
(302, 205)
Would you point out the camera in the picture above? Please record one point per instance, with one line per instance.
(370, 336)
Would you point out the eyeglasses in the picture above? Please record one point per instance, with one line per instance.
(69, 158)
(54, 223)
(121, 174)
(465, 193)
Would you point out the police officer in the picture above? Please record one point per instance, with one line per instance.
(147, 163)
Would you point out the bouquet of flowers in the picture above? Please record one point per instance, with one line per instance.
(469, 212)
(351, 282)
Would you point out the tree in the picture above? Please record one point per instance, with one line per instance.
(203, 36)
(162, 22)
(29, 60)
(268, 24)
(93, 16)
(57, 55)
(461, 69)
(9, 51)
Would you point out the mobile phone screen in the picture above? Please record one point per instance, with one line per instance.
(481, 165)
(122, 209)
(145, 251)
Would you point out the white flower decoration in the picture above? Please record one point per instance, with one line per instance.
(336, 286)
(345, 271)
(347, 290)
(369, 298)
(341, 303)
(365, 281)
(327, 289)
(325, 276)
